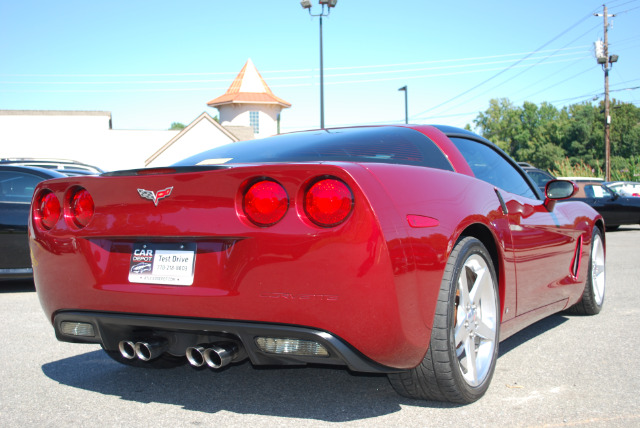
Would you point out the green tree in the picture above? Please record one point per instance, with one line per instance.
(176, 126)
(528, 133)
(499, 123)
(625, 129)
(584, 134)
(567, 140)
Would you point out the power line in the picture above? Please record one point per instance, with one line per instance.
(309, 70)
(419, 76)
(525, 70)
(506, 69)
(558, 83)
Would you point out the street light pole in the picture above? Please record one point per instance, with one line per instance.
(306, 4)
(321, 76)
(406, 104)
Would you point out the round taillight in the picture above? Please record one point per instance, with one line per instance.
(81, 207)
(265, 203)
(47, 210)
(328, 202)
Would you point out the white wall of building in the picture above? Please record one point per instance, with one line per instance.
(80, 136)
(86, 137)
(15, 122)
(201, 136)
(238, 115)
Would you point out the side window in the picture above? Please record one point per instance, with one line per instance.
(489, 165)
(539, 178)
(17, 186)
(597, 191)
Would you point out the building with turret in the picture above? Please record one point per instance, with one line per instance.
(248, 110)
(249, 102)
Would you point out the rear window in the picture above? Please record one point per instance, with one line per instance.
(394, 145)
(17, 186)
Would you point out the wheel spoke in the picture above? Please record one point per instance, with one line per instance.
(461, 322)
(463, 287)
(485, 331)
(481, 282)
(470, 351)
(461, 334)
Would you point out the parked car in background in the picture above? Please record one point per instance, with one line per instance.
(539, 176)
(410, 251)
(17, 184)
(583, 179)
(67, 167)
(625, 188)
(617, 210)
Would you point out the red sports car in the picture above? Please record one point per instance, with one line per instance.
(407, 250)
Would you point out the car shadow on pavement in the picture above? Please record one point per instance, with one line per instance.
(531, 332)
(318, 393)
(331, 394)
(17, 286)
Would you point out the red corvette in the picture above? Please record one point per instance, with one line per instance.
(407, 250)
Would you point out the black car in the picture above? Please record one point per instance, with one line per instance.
(17, 184)
(539, 176)
(67, 167)
(615, 209)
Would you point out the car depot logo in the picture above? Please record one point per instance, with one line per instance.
(155, 196)
(141, 261)
(142, 255)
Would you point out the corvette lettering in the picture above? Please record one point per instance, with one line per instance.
(292, 296)
(155, 197)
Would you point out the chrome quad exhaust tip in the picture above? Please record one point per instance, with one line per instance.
(127, 349)
(195, 356)
(146, 350)
(215, 356)
(151, 349)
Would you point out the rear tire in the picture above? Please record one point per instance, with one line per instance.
(593, 295)
(463, 349)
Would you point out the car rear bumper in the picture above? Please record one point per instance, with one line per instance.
(109, 329)
(14, 274)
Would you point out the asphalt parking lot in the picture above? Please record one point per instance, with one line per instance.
(563, 371)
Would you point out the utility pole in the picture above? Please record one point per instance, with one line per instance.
(607, 62)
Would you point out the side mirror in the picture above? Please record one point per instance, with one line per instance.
(557, 190)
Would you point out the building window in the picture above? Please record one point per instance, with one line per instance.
(254, 121)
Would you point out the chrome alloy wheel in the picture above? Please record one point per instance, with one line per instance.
(597, 269)
(476, 317)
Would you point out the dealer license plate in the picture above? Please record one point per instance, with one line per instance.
(168, 264)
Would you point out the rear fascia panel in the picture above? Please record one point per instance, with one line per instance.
(353, 280)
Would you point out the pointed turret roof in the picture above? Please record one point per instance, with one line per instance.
(248, 88)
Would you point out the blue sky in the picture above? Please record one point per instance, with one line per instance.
(152, 63)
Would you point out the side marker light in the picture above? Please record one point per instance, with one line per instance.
(419, 221)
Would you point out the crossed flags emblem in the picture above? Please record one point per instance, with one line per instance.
(155, 197)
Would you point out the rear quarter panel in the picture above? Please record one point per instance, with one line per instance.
(456, 202)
